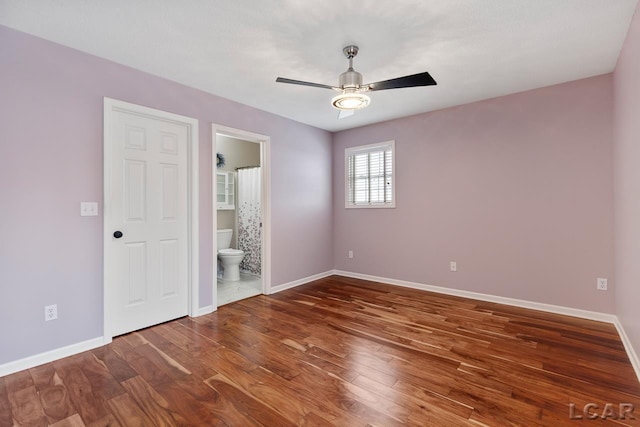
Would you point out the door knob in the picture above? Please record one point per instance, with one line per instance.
(117, 234)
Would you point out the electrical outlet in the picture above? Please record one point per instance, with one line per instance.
(601, 284)
(350, 254)
(50, 312)
(453, 266)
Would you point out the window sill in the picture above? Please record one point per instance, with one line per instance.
(385, 206)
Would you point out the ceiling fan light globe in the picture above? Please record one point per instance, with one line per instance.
(350, 101)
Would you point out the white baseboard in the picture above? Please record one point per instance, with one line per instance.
(204, 310)
(633, 356)
(558, 309)
(50, 356)
(285, 286)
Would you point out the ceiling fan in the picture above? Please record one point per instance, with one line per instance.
(352, 92)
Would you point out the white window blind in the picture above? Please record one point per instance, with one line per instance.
(370, 175)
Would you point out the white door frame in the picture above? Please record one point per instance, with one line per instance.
(265, 185)
(113, 105)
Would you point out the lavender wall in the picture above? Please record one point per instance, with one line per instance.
(51, 109)
(627, 183)
(517, 190)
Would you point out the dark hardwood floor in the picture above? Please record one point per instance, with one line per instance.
(342, 352)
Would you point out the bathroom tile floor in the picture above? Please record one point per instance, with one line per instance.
(248, 286)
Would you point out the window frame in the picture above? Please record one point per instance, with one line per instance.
(383, 146)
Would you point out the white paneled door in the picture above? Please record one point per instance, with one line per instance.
(147, 227)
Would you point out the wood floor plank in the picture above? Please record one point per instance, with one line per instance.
(246, 404)
(6, 419)
(312, 419)
(108, 421)
(26, 407)
(18, 381)
(73, 421)
(54, 396)
(265, 388)
(187, 360)
(89, 404)
(193, 410)
(169, 366)
(337, 351)
(127, 411)
(102, 382)
(151, 372)
(117, 367)
(186, 338)
(56, 402)
(152, 403)
(43, 375)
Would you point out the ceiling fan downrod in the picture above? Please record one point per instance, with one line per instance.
(350, 79)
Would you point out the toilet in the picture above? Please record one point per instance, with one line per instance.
(230, 258)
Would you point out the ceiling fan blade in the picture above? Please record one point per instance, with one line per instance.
(300, 82)
(342, 114)
(420, 79)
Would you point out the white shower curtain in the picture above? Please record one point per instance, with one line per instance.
(249, 217)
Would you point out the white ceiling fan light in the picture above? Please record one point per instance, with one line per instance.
(350, 100)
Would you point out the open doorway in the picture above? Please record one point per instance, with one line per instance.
(240, 186)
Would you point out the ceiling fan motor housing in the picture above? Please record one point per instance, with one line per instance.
(350, 79)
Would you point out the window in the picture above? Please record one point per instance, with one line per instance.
(369, 171)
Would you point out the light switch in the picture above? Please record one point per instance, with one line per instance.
(88, 208)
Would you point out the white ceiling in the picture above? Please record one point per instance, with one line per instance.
(475, 49)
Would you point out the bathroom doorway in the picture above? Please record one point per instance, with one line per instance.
(240, 214)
